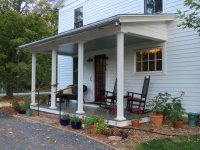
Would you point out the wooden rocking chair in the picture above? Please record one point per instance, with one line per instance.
(136, 101)
(110, 97)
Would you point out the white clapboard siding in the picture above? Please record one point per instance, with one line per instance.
(65, 72)
(182, 53)
(94, 10)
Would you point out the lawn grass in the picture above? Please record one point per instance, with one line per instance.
(177, 143)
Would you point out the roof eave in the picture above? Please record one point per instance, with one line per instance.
(124, 18)
(146, 18)
(71, 32)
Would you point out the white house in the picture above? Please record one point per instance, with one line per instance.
(99, 40)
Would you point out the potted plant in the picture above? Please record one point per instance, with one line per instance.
(76, 122)
(95, 123)
(28, 109)
(24, 106)
(65, 120)
(158, 105)
(176, 112)
(135, 121)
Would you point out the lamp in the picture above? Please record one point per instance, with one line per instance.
(90, 60)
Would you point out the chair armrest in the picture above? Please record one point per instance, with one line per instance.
(109, 92)
(134, 93)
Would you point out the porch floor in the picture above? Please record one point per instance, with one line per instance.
(71, 108)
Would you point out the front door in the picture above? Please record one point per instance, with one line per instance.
(100, 74)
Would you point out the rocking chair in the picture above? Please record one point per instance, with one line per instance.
(136, 101)
(110, 97)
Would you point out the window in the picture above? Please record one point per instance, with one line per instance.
(153, 6)
(149, 60)
(78, 17)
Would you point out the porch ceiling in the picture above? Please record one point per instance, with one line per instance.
(98, 44)
(101, 34)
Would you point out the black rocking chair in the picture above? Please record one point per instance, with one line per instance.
(110, 97)
(136, 101)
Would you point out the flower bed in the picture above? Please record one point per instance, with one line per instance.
(133, 138)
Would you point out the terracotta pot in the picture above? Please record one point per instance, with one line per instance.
(157, 120)
(135, 123)
(177, 124)
(93, 129)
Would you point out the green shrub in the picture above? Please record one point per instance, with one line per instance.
(24, 105)
(158, 103)
(136, 117)
(75, 119)
(96, 120)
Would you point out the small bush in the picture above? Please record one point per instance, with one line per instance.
(96, 120)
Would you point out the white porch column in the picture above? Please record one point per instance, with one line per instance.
(120, 76)
(33, 80)
(53, 79)
(80, 77)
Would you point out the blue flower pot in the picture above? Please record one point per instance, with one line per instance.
(29, 112)
(193, 119)
(22, 111)
(76, 125)
(64, 122)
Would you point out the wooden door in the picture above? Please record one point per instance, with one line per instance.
(100, 74)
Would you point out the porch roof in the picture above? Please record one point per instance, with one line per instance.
(132, 24)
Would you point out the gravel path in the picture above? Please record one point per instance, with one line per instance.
(16, 134)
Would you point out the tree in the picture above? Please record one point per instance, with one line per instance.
(191, 18)
(21, 21)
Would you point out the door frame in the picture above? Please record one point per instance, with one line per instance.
(94, 84)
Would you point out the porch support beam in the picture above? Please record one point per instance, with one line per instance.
(53, 79)
(120, 76)
(80, 77)
(33, 79)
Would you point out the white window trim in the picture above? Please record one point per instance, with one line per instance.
(163, 72)
(74, 15)
(163, 6)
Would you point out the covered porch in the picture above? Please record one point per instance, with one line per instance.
(89, 109)
(111, 34)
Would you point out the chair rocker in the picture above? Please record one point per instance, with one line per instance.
(136, 101)
(110, 97)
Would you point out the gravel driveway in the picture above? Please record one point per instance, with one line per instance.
(16, 134)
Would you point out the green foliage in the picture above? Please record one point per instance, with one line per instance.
(24, 105)
(96, 120)
(170, 106)
(22, 22)
(181, 142)
(176, 111)
(191, 17)
(65, 117)
(75, 119)
(136, 117)
(158, 103)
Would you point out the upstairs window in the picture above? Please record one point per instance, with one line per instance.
(149, 60)
(78, 17)
(153, 6)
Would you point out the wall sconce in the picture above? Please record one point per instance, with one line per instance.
(90, 60)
